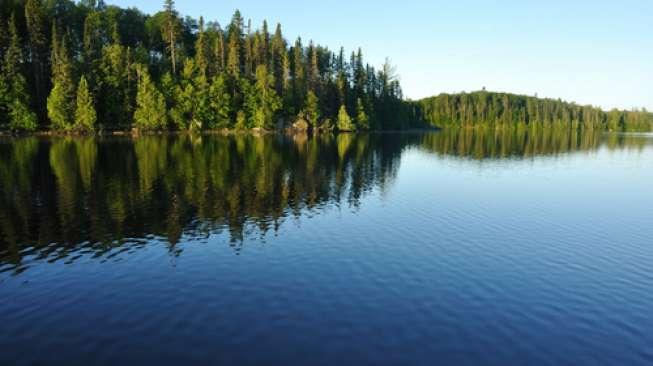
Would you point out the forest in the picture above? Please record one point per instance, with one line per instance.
(87, 66)
(484, 108)
(84, 67)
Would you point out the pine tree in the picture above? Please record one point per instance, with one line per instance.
(298, 75)
(38, 52)
(241, 120)
(170, 32)
(85, 115)
(219, 104)
(117, 87)
(312, 109)
(313, 73)
(358, 71)
(150, 111)
(262, 100)
(344, 121)
(235, 46)
(17, 100)
(203, 50)
(219, 53)
(248, 57)
(5, 97)
(93, 41)
(342, 83)
(186, 101)
(279, 61)
(61, 102)
(362, 120)
(264, 50)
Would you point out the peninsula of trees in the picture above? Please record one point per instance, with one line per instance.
(89, 66)
(503, 109)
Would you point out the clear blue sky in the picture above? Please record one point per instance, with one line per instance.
(593, 52)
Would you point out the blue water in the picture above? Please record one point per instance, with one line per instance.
(379, 250)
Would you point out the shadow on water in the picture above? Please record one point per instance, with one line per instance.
(62, 196)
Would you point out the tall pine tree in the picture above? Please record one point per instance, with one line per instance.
(85, 115)
(150, 111)
(16, 97)
(38, 52)
(61, 102)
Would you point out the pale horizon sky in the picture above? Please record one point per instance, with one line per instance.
(590, 52)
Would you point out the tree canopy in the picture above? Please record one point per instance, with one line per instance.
(165, 71)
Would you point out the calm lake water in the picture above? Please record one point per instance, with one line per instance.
(383, 249)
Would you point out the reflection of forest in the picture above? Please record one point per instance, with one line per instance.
(62, 194)
(488, 143)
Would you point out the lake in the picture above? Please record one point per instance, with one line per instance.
(451, 247)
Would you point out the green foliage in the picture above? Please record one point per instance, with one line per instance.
(21, 117)
(345, 122)
(502, 109)
(117, 87)
(263, 99)
(207, 75)
(312, 109)
(85, 115)
(150, 111)
(219, 104)
(61, 102)
(362, 120)
(185, 104)
(35, 19)
(241, 120)
(170, 32)
(59, 110)
(14, 99)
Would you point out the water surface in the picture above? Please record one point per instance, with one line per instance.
(454, 247)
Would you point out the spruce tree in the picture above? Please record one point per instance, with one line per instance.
(279, 60)
(313, 73)
(219, 104)
(38, 52)
(117, 87)
(61, 102)
(16, 97)
(344, 121)
(92, 45)
(170, 32)
(187, 101)
(312, 109)
(219, 53)
(235, 36)
(203, 50)
(150, 111)
(261, 100)
(298, 75)
(362, 120)
(4, 84)
(85, 115)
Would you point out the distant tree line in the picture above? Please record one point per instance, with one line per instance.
(503, 109)
(87, 66)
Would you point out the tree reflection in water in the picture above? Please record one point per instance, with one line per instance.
(62, 196)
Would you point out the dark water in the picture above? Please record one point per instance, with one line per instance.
(440, 248)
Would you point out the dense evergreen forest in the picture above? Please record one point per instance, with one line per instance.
(503, 109)
(87, 66)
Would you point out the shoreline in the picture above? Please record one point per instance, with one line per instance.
(223, 132)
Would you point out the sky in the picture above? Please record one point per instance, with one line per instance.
(596, 52)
